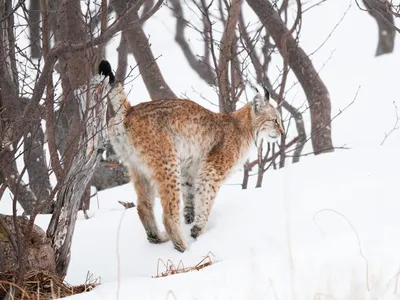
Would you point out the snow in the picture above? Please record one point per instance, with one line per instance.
(329, 226)
(325, 228)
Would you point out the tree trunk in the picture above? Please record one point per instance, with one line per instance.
(75, 71)
(380, 11)
(34, 28)
(91, 147)
(227, 102)
(122, 58)
(9, 104)
(316, 92)
(140, 46)
(35, 162)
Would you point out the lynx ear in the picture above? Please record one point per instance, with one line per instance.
(259, 103)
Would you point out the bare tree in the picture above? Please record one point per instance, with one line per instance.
(11, 104)
(75, 121)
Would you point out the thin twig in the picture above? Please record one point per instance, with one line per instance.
(395, 126)
(355, 232)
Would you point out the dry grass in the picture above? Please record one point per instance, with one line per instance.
(171, 269)
(42, 285)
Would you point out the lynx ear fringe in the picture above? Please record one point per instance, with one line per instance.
(266, 93)
(105, 69)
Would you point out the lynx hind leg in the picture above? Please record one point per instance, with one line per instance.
(211, 176)
(166, 176)
(188, 175)
(188, 191)
(146, 191)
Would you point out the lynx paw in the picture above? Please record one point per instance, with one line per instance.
(158, 239)
(196, 231)
(189, 217)
(180, 247)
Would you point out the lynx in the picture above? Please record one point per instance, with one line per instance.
(174, 146)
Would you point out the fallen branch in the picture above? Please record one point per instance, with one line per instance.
(127, 204)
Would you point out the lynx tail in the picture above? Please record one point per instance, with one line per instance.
(105, 69)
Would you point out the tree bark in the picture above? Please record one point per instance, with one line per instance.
(140, 46)
(226, 102)
(316, 92)
(380, 11)
(91, 147)
(9, 104)
(75, 71)
(34, 28)
(122, 58)
(35, 162)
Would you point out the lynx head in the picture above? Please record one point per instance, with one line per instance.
(267, 120)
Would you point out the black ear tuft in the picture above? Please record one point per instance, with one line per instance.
(266, 93)
(105, 69)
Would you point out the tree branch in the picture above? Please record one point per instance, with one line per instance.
(50, 122)
(63, 47)
(202, 68)
(140, 47)
(314, 88)
(227, 104)
(381, 12)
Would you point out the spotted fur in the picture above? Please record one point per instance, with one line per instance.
(174, 146)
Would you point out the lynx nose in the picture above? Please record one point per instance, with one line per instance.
(281, 130)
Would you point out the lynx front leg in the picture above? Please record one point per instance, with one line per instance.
(208, 186)
(215, 169)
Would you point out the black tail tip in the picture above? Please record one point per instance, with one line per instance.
(105, 69)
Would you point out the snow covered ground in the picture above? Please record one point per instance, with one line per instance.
(326, 228)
